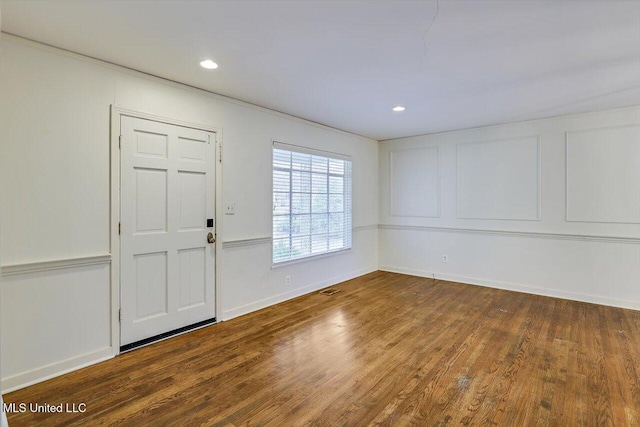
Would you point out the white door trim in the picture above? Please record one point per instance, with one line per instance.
(116, 115)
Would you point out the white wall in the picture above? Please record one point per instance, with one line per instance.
(54, 161)
(549, 206)
(3, 416)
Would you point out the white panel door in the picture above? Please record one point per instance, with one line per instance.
(167, 194)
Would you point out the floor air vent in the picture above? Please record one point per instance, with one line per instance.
(329, 292)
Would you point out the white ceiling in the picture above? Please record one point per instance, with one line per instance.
(346, 64)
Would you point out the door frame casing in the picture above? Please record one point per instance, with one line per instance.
(117, 113)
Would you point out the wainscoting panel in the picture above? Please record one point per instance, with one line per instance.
(499, 179)
(415, 182)
(55, 318)
(603, 175)
(595, 271)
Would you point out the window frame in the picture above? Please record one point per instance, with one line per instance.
(276, 145)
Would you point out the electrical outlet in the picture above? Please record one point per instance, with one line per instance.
(445, 258)
(229, 208)
(287, 280)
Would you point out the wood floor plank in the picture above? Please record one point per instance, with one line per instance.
(389, 349)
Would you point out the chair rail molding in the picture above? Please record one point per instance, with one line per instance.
(58, 264)
(526, 234)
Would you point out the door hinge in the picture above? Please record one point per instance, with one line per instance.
(120, 315)
(120, 142)
(119, 228)
(220, 153)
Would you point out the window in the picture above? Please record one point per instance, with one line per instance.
(311, 202)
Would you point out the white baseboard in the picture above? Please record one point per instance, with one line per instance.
(56, 369)
(555, 293)
(258, 305)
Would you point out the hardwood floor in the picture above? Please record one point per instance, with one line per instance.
(388, 349)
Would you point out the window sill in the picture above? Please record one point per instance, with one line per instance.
(309, 258)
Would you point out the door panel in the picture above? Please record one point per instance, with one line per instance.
(167, 195)
(192, 279)
(151, 145)
(192, 188)
(151, 285)
(192, 149)
(151, 200)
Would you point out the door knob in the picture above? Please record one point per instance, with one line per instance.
(210, 238)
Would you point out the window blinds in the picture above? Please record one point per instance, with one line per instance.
(311, 203)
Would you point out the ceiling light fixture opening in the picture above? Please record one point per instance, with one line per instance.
(208, 64)
(398, 108)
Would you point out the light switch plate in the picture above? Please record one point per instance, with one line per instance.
(229, 208)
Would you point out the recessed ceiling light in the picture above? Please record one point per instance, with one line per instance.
(398, 108)
(209, 64)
